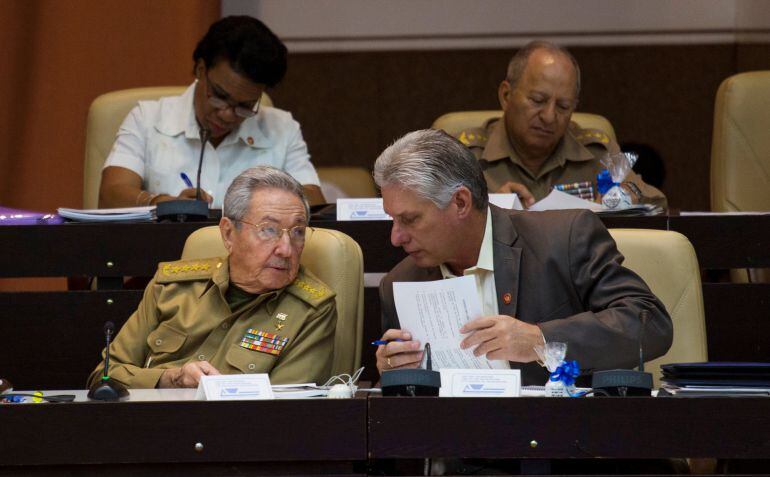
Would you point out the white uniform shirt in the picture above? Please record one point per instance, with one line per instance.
(159, 140)
(483, 272)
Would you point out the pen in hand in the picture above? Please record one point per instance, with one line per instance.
(186, 180)
(384, 342)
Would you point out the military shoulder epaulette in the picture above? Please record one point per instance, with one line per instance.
(309, 288)
(474, 137)
(592, 136)
(186, 270)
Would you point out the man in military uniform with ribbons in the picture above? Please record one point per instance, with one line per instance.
(535, 146)
(254, 311)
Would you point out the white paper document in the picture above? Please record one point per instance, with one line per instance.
(361, 209)
(558, 200)
(123, 214)
(434, 312)
(506, 201)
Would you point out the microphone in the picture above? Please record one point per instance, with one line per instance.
(188, 210)
(205, 136)
(412, 382)
(626, 382)
(107, 389)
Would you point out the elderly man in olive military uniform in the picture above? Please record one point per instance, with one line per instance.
(535, 147)
(254, 311)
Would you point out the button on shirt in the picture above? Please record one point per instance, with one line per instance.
(160, 139)
(483, 271)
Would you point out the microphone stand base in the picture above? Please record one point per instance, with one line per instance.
(410, 382)
(183, 210)
(107, 390)
(623, 382)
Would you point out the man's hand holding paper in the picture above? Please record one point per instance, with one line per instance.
(502, 337)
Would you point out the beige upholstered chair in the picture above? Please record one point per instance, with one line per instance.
(346, 182)
(740, 152)
(333, 257)
(105, 116)
(667, 262)
(455, 122)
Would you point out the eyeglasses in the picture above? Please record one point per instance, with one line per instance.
(271, 233)
(219, 102)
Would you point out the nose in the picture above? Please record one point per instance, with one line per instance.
(283, 246)
(397, 235)
(548, 113)
(227, 114)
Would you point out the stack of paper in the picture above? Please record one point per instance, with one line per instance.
(126, 214)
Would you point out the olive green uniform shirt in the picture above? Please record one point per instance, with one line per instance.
(575, 159)
(185, 317)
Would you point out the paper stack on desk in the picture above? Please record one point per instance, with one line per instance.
(125, 214)
(717, 379)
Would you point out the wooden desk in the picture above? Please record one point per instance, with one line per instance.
(158, 438)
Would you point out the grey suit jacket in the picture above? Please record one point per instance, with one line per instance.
(564, 274)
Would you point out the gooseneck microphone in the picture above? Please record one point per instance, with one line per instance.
(181, 210)
(107, 389)
(205, 136)
(626, 382)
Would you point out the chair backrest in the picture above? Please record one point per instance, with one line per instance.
(740, 150)
(333, 257)
(455, 122)
(105, 116)
(666, 261)
(346, 182)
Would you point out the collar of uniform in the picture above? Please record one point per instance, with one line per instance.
(221, 279)
(179, 117)
(499, 147)
(486, 259)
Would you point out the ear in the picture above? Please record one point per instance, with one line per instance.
(504, 93)
(200, 69)
(227, 229)
(463, 202)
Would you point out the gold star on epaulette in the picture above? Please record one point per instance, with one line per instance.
(463, 138)
(314, 292)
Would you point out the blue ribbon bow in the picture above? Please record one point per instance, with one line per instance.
(604, 182)
(566, 373)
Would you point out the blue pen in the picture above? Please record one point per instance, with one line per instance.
(186, 179)
(384, 342)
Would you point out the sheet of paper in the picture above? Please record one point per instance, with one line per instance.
(361, 209)
(434, 312)
(234, 387)
(480, 383)
(558, 200)
(506, 201)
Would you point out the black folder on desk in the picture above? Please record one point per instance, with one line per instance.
(726, 374)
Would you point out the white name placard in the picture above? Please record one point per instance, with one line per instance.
(361, 209)
(234, 387)
(480, 383)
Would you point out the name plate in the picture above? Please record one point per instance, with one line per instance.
(361, 209)
(234, 387)
(480, 383)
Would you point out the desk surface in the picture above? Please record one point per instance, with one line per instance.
(317, 435)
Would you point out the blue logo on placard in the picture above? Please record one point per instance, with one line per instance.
(482, 389)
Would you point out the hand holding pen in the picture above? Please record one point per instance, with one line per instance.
(396, 349)
(192, 191)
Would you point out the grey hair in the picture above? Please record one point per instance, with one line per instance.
(519, 61)
(434, 165)
(238, 196)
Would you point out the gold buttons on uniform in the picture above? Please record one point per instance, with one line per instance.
(252, 366)
(201, 357)
(225, 326)
(158, 342)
